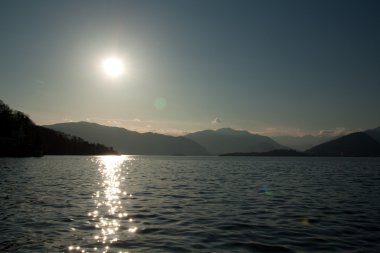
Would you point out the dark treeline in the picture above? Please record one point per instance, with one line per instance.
(19, 136)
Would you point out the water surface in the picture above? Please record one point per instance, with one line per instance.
(189, 204)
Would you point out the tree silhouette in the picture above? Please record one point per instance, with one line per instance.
(19, 136)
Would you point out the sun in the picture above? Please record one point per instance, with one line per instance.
(113, 67)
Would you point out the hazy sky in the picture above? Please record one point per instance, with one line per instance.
(273, 67)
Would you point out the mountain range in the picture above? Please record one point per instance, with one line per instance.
(208, 142)
(216, 142)
(19, 136)
(359, 144)
(131, 142)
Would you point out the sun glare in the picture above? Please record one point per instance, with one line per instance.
(113, 67)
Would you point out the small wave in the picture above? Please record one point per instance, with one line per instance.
(258, 247)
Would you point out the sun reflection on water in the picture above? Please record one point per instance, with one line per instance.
(109, 201)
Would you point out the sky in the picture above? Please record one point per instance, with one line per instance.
(269, 67)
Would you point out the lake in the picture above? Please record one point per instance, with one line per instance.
(189, 204)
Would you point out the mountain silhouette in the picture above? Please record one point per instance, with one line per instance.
(19, 137)
(355, 144)
(276, 152)
(303, 143)
(131, 142)
(228, 140)
(374, 133)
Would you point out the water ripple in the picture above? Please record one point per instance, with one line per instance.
(189, 204)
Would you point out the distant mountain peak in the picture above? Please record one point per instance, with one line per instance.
(232, 131)
(88, 123)
(228, 140)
